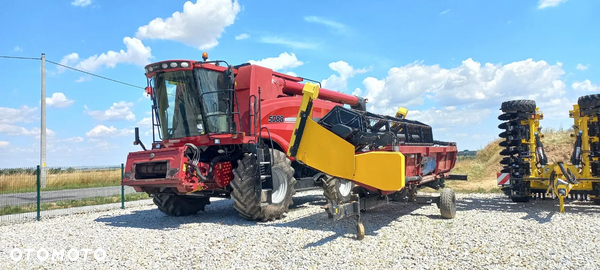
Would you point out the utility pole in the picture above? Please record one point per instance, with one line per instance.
(43, 126)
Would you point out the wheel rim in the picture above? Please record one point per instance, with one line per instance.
(345, 187)
(280, 186)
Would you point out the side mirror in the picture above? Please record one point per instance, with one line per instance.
(137, 139)
(229, 77)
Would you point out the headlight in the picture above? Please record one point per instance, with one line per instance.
(173, 64)
(185, 64)
(164, 65)
(217, 141)
(150, 69)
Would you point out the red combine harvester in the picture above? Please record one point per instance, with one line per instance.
(224, 131)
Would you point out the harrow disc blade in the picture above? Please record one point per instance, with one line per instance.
(506, 161)
(506, 116)
(503, 144)
(508, 152)
(503, 125)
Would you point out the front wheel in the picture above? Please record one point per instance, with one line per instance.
(337, 190)
(247, 202)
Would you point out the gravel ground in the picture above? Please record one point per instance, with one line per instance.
(489, 232)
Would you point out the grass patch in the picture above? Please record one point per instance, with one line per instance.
(26, 182)
(8, 210)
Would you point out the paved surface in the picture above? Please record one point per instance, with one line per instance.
(14, 199)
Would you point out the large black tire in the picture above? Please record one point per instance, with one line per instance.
(589, 101)
(247, 202)
(177, 205)
(518, 105)
(447, 203)
(337, 190)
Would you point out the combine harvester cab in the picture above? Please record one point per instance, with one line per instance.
(376, 158)
(526, 171)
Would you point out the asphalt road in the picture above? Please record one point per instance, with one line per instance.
(14, 199)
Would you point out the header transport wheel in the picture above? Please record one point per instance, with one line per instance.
(360, 231)
(447, 203)
(247, 202)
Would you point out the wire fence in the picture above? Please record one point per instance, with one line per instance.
(67, 191)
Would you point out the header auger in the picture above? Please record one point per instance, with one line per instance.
(527, 173)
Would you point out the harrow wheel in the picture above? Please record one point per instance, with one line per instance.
(521, 199)
(518, 105)
(589, 101)
(248, 202)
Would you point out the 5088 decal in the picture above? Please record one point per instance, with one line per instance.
(276, 118)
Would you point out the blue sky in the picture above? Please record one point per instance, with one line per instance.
(450, 62)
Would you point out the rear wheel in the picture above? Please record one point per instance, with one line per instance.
(337, 190)
(447, 203)
(247, 202)
(177, 205)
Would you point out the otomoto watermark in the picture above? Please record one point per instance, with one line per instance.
(43, 254)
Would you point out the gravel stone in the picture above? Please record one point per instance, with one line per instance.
(488, 232)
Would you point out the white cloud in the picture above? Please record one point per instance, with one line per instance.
(199, 25)
(14, 130)
(104, 131)
(118, 111)
(68, 60)
(83, 79)
(345, 71)
(136, 54)
(81, 3)
(17, 49)
(242, 36)
(75, 139)
(448, 116)
(585, 86)
(445, 11)
(582, 67)
(58, 100)
(282, 62)
(326, 22)
(549, 3)
(556, 108)
(4, 144)
(291, 73)
(24, 114)
(103, 145)
(470, 82)
(289, 43)
(145, 122)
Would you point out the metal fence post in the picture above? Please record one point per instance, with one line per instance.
(38, 184)
(122, 187)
